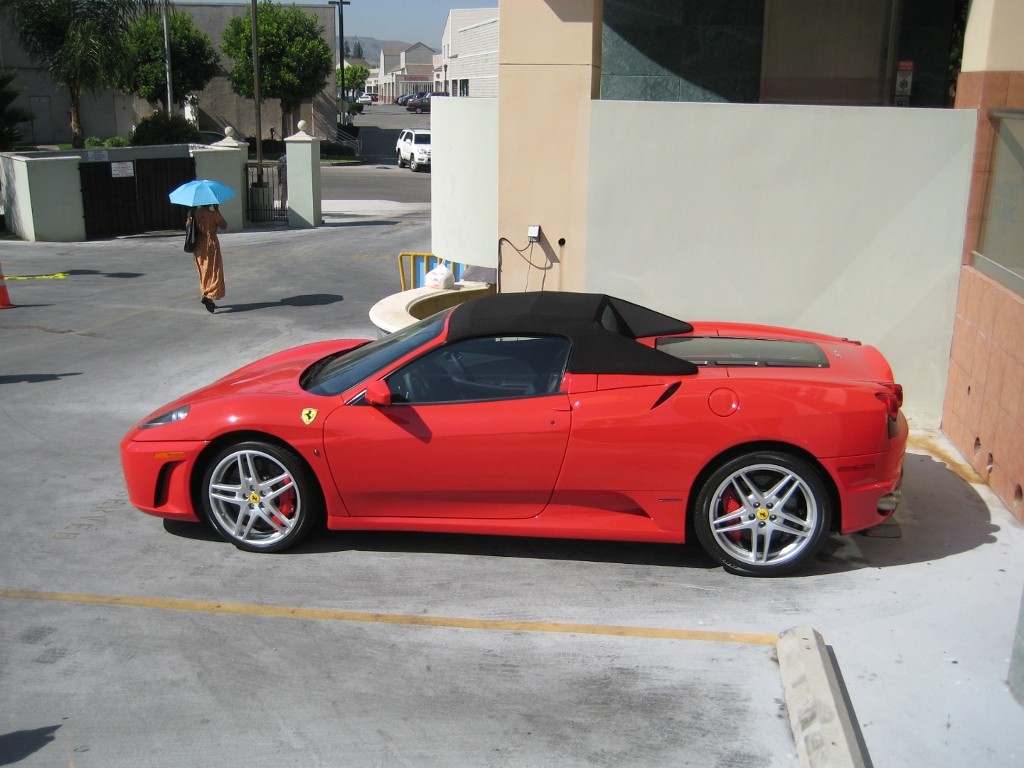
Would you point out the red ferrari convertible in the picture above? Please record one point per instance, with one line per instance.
(541, 414)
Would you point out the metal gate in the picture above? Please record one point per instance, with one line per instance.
(267, 189)
(130, 197)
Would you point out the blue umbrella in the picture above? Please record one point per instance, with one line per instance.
(201, 192)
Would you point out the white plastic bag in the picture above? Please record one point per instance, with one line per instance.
(440, 277)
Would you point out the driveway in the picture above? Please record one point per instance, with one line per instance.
(127, 641)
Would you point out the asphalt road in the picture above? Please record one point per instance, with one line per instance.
(379, 178)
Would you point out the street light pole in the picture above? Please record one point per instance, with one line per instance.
(340, 45)
(256, 87)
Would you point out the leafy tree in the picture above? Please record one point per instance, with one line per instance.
(11, 117)
(79, 42)
(194, 60)
(355, 78)
(294, 58)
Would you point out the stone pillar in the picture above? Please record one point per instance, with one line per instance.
(224, 161)
(549, 53)
(305, 207)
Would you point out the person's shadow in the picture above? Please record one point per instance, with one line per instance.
(17, 745)
(309, 300)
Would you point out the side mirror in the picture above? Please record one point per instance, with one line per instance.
(377, 393)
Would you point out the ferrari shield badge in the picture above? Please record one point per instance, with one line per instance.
(308, 415)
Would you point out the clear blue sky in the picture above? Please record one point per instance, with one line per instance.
(410, 21)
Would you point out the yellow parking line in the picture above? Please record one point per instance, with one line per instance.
(316, 614)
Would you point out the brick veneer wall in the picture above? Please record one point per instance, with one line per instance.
(983, 414)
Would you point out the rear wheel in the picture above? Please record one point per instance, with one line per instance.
(763, 514)
(261, 497)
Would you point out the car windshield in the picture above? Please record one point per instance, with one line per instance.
(336, 373)
(422, 138)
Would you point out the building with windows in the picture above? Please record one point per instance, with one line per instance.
(401, 71)
(468, 63)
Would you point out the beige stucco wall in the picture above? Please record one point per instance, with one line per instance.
(548, 74)
(992, 42)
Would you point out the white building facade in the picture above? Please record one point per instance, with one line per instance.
(404, 71)
(469, 54)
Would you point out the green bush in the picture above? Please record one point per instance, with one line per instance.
(93, 142)
(330, 149)
(158, 128)
(117, 141)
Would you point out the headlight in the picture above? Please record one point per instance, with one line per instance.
(170, 417)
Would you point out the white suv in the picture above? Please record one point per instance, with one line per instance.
(413, 149)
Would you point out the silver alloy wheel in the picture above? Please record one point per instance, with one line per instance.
(254, 499)
(764, 515)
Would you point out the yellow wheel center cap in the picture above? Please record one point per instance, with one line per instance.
(254, 498)
(762, 513)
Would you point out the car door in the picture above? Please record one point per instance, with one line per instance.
(477, 429)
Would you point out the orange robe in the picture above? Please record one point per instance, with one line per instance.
(209, 262)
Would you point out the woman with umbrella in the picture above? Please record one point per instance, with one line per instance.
(203, 197)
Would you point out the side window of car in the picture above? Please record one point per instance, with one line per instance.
(486, 368)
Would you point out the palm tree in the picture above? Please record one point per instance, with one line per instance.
(11, 117)
(79, 42)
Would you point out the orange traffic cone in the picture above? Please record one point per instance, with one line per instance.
(5, 299)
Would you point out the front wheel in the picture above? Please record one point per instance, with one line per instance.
(763, 514)
(261, 497)
(413, 165)
(401, 162)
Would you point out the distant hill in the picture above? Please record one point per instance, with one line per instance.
(372, 47)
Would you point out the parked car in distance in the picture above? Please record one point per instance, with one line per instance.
(401, 100)
(413, 148)
(365, 99)
(550, 414)
(418, 106)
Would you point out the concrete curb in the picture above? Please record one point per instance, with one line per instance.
(369, 207)
(820, 714)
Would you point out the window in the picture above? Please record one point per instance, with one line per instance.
(487, 368)
(1001, 253)
(334, 374)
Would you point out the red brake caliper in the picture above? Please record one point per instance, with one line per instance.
(285, 504)
(729, 505)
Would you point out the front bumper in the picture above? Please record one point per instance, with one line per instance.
(157, 476)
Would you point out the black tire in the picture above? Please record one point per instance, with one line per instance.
(401, 162)
(763, 514)
(261, 497)
(413, 165)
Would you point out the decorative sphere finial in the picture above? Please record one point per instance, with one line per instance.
(302, 126)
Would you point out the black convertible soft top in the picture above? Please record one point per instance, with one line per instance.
(603, 329)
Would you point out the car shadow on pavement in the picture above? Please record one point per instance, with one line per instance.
(325, 542)
(940, 515)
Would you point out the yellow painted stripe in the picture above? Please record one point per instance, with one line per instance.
(316, 614)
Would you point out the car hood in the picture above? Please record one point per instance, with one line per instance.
(276, 374)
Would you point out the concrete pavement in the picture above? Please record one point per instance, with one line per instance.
(129, 642)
